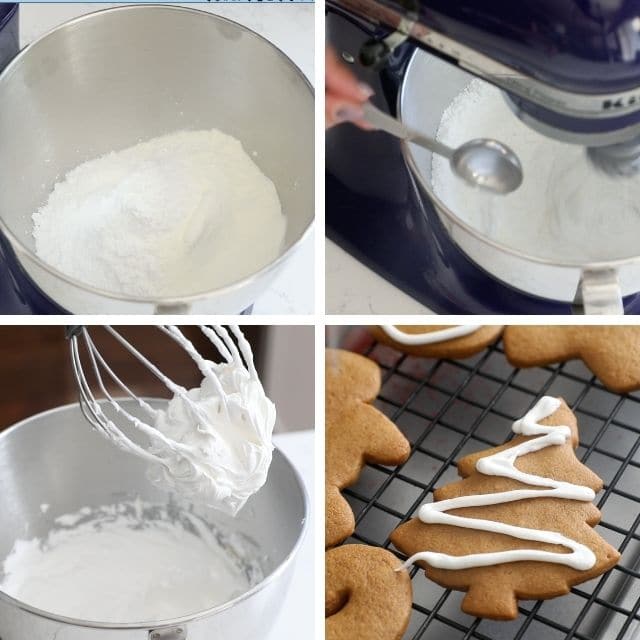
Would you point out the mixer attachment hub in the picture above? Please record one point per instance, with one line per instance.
(375, 52)
(177, 633)
(622, 159)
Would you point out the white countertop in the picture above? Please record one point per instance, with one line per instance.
(352, 288)
(296, 617)
(291, 28)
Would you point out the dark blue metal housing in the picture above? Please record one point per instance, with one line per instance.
(583, 46)
(587, 47)
(375, 211)
(18, 293)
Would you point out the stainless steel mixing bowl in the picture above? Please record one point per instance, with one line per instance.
(109, 79)
(56, 458)
(429, 87)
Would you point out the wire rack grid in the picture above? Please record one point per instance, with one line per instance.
(448, 409)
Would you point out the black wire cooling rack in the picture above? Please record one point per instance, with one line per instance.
(448, 409)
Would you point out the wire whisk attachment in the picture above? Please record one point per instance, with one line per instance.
(212, 443)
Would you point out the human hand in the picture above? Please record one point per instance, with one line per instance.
(344, 94)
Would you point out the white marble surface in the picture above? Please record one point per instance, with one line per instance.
(296, 618)
(352, 288)
(291, 28)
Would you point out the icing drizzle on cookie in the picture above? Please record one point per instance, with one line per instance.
(503, 464)
(431, 337)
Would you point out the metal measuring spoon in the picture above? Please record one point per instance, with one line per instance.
(483, 163)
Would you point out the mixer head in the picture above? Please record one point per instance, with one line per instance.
(570, 68)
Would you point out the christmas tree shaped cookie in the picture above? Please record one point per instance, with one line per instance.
(356, 433)
(520, 523)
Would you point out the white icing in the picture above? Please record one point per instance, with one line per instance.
(212, 443)
(503, 464)
(441, 335)
(129, 562)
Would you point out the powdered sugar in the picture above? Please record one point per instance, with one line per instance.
(564, 209)
(181, 214)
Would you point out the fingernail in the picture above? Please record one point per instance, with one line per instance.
(346, 113)
(365, 90)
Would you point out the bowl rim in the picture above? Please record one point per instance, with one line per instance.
(151, 625)
(20, 248)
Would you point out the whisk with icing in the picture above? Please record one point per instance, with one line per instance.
(213, 442)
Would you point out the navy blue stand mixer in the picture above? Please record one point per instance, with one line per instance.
(17, 294)
(569, 69)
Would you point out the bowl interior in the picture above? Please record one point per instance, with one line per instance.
(56, 458)
(590, 230)
(113, 78)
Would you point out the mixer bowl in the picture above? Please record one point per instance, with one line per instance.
(107, 80)
(429, 87)
(56, 458)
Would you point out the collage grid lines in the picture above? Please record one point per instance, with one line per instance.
(446, 408)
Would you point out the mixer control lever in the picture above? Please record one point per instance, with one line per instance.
(598, 293)
(375, 52)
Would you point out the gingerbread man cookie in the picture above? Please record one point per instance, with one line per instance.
(612, 353)
(437, 341)
(367, 595)
(356, 433)
(520, 524)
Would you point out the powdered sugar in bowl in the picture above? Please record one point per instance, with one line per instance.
(568, 234)
(53, 458)
(133, 80)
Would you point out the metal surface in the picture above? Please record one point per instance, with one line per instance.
(599, 293)
(430, 81)
(621, 160)
(406, 241)
(9, 32)
(168, 634)
(384, 122)
(483, 163)
(94, 376)
(448, 409)
(109, 79)
(55, 458)
(572, 67)
(488, 164)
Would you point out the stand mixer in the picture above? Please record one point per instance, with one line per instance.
(569, 69)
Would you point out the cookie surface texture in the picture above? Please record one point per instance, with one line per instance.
(356, 433)
(365, 597)
(612, 353)
(463, 346)
(492, 590)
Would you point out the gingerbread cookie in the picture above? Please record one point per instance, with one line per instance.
(437, 341)
(356, 433)
(519, 526)
(611, 352)
(366, 596)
